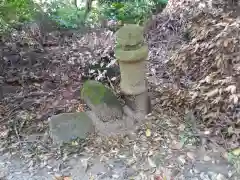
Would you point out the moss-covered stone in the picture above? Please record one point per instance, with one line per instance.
(97, 93)
(101, 100)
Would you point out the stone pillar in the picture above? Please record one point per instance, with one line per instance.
(132, 52)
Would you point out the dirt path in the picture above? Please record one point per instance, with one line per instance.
(137, 156)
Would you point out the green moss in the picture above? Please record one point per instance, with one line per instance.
(97, 93)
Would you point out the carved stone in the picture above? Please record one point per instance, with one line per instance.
(132, 53)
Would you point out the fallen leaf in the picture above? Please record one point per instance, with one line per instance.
(234, 98)
(191, 155)
(236, 152)
(212, 93)
(80, 108)
(148, 133)
(225, 42)
(63, 178)
(177, 145)
(67, 178)
(182, 127)
(4, 131)
(181, 158)
(207, 158)
(230, 130)
(231, 88)
(58, 178)
(74, 143)
(151, 163)
(91, 177)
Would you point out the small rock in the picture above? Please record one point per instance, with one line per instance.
(230, 173)
(132, 136)
(221, 177)
(207, 158)
(177, 145)
(204, 176)
(2, 174)
(196, 171)
(191, 155)
(181, 159)
(213, 175)
(115, 176)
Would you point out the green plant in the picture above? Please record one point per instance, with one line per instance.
(130, 11)
(16, 12)
(67, 15)
(234, 158)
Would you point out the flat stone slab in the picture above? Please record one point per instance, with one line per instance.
(102, 101)
(69, 126)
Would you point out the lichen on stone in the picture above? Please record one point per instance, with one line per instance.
(139, 54)
(130, 35)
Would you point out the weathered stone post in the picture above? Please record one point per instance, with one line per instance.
(132, 52)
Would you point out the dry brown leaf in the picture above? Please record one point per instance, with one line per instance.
(151, 163)
(80, 108)
(232, 89)
(212, 93)
(67, 178)
(236, 152)
(233, 98)
(191, 155)
(63, 178)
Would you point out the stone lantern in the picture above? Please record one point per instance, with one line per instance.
(131, 53)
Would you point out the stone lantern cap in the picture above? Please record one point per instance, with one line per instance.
(130, 35)
(130, 44)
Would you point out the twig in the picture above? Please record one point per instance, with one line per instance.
(33, 94)
(110, 83)
(17, 134)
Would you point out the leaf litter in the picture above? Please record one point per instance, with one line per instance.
(201, 77)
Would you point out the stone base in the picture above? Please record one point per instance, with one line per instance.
(118, 127)
(140, 104)
(107, 128)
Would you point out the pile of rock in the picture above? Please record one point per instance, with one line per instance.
(108, 116)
